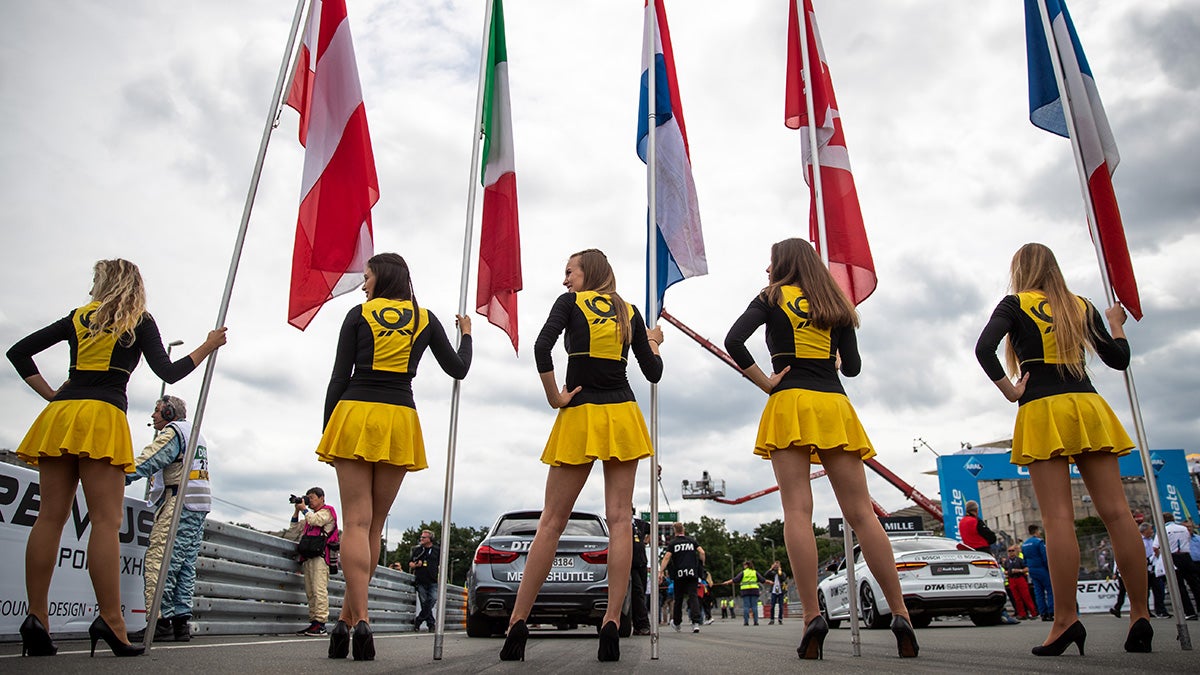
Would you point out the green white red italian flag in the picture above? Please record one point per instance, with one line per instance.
(499, 238)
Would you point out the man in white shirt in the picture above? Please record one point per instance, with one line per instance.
(1179, 542)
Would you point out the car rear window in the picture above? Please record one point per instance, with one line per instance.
(578, 527)
(924, 544)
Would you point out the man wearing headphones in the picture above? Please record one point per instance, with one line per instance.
(162, 463)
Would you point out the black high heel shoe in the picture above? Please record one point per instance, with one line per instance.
(35, 639)
(362, 642)
(514, 642)
(1140, 635)
(339, 641)
(1074, 633)
(610, 643)
(812, 643)
(906, 639)
(99, 630)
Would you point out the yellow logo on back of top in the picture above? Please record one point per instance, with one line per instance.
(601, 315)
(391, 323)
(811, 342)
(94, 351)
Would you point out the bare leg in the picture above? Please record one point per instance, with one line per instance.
(563, 484)
(58, 478)
(104, 488)
(1102, 474)
(1052, 485)
(355, 483)
(792, 469)
(384, 487)
(619, 478)
(849, 481)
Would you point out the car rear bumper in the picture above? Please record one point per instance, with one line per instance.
(918, 604)
(549, 607)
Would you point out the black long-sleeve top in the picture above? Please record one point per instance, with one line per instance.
(377, 353)
(793, 341)
(1027, 318)
(100, 365)
(596, 358)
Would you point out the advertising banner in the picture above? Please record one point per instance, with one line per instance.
(72, 602)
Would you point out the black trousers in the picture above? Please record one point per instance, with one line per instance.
(685, 589)
(639, 612)
(1185, 572)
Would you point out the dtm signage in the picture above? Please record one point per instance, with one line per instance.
(959, 477)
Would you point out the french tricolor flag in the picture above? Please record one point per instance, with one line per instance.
(680, 250)
(1095, 137)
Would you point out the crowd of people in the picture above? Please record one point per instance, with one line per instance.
(372, 437)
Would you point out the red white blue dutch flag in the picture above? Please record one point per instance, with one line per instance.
(680, 249)
(1096, 142)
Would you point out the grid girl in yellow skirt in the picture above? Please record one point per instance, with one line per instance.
(82, 436)
(372, 434)
(810, 325)
(598, 419)
(1061, 419)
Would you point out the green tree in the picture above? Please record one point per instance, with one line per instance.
(463, 541)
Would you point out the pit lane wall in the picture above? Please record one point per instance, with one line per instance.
(247, 582)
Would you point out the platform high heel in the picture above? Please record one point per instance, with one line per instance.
(99, 630)
(906, 639)
(610, 643)
(362, 642)
(1140, 635)
(339, 641)
(812, 643)
(514, 642)
(35, 639)
(1074, 633)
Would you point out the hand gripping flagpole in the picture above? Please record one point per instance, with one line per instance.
(652, 294)
(198, 419)
(1185, 641)
(823, 247)
(468, 235)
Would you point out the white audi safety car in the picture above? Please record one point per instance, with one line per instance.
(937, 577)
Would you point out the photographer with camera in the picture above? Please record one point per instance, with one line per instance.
(316, 535)
(423, 563)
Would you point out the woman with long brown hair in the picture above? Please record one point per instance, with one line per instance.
(808, 418)
(1062, 420)
(598, 419)
(372, 434)
(82, 436)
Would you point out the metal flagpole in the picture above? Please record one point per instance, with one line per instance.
(652, 294)
(823, 247)
(455, 392)
(1185, 641)
(198, 419)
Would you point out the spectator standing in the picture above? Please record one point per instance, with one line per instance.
(1179, 541)
(423, 563)
(1033, 550)
(776, 581)
(683, 564)
(973, 532)
(1154, 574)
(748, 584)
(1018, 584)
(639, 608)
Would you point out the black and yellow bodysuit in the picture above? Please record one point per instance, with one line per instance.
(603, 420)
(1059, 414)
(808, 409)
(370, 413)
(87, 416)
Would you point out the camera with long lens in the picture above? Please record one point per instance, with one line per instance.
(293, 499)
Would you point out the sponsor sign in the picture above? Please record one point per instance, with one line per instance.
(891, 525)
(72, 601)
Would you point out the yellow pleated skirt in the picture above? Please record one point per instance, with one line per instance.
(374, 432)
(811, 421)
(1067, 425)
(85, 428)
(585, 433)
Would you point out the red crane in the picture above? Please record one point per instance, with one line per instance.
(931, 507)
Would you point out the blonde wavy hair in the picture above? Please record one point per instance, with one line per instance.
(1034, 268)
(117, 285)
(598, 276)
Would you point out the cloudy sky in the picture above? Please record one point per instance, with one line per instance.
(130, 130)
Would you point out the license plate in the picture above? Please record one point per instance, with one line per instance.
(564, 561)
(950, 568)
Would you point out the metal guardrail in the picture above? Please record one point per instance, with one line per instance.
(249, 582)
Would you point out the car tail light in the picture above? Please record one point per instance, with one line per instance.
(486, 555)
(988, 564)
(906, 566)
(595, 557)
